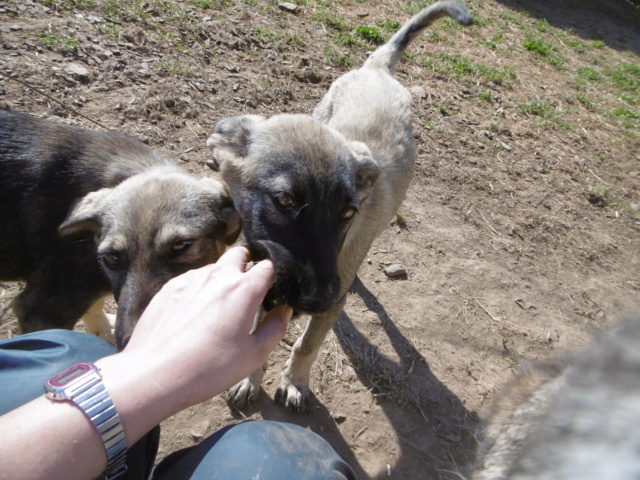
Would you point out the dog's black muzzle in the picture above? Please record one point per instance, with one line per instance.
(310, 287)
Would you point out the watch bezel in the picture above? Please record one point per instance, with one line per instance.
(56, 385)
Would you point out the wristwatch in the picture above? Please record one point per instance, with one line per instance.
(82, 385)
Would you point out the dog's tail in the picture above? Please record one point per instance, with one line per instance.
(388, 54)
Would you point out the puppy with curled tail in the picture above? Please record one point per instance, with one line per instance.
(313, 192)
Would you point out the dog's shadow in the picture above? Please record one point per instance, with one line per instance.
(433, 428)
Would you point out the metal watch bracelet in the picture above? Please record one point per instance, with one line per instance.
(82, 385)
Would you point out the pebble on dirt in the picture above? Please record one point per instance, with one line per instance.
(395, 270)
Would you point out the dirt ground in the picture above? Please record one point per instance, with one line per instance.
(520, 233)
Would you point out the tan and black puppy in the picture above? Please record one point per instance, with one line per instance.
(313, 192)
(85, 213)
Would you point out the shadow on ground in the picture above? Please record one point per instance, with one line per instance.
(612, 21)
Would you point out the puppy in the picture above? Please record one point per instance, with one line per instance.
(313, 192)
(60, 186)
(580, 420)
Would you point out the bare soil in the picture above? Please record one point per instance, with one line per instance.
(520, 232)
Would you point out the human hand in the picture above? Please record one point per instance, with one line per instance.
(193, 341)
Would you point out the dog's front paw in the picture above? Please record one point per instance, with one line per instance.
(294, 397)
(244, 392)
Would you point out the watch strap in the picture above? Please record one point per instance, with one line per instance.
(88, 393)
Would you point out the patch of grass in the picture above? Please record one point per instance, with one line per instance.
(338, 59)
(371, 34)
(479, 20)
(537, 45)
(485, 95)
(108, 29)
(585, 102)
(625, 76)
(545, 112)
(330, 19)
(629, 118)
(210, 4)
(415, 7)
(537, 108)
(629, 99)
(494, 41)
(577, 44)
(543, 26)
(430, 125)
(589, 74)
(390, 25)
(347, 39)
(282, 41)
(460, 67)
(51, 39)
(437, 37)
(67, 5)
(448, 111)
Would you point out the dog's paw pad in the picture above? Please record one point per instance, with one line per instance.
(292, 397)
(243, 393)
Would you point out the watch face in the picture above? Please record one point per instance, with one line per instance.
(69, 375)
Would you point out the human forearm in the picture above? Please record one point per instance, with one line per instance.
(192, 343)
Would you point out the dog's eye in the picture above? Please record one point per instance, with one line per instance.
(348, 213)
(181, 246)
(284, 200)
(111, 260)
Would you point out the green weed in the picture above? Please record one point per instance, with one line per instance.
(625, 76)
(371, 34)
(61, 43)
(331, 19)
(537, 45)
(460, 67)
(338, 59)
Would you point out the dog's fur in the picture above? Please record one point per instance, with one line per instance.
(580, 420)
(62, 187)
(313, 192)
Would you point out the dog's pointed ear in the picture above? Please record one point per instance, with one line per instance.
(230, 139)
(366, 170)
(85, 214)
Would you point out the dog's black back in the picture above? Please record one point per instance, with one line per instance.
(43, 170)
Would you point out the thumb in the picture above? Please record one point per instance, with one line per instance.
(273, 327)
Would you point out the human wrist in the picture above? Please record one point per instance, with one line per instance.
(139, 392)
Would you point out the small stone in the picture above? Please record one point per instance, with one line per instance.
(78, 72)
(395, 270)
(362, 14)
(15, 28)
(200, 431)
(634, 174)
(289, 7)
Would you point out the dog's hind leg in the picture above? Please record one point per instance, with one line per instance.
(294, 385)
(99, 323)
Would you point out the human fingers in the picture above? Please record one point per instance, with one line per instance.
(234, 258)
